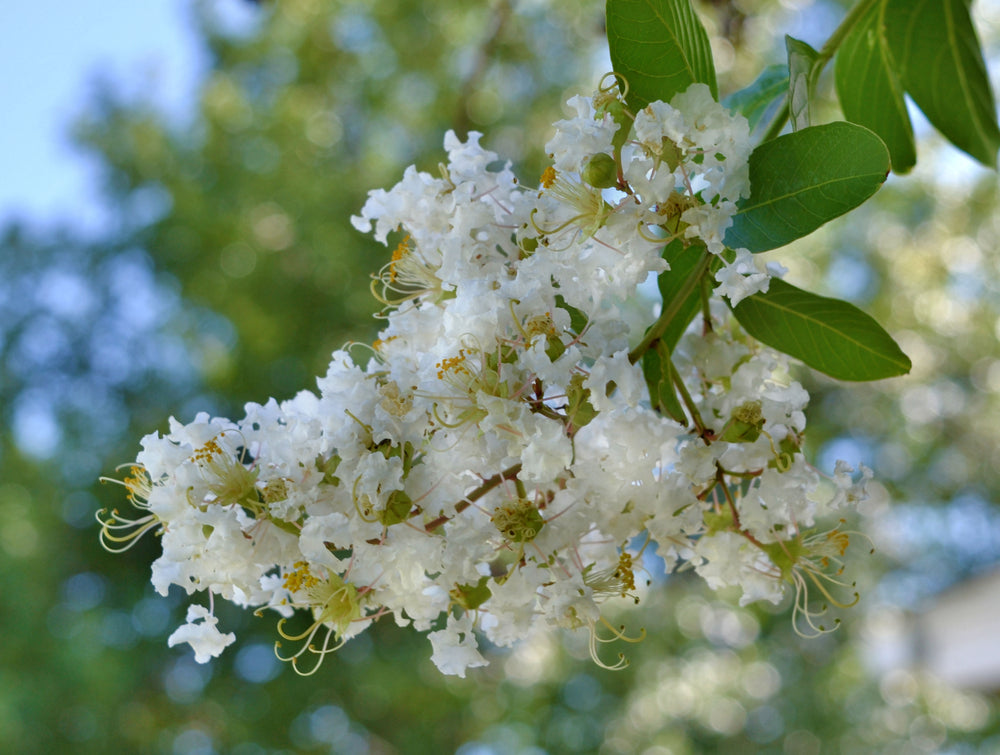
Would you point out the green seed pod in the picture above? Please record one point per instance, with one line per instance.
(600, 171)
(616, 109)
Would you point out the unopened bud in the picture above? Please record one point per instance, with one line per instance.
(600, 171)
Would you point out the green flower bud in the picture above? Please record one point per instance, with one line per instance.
(600, 171)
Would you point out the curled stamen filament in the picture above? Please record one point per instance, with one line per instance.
(132, 530)
(335, 604)
(117, 533)
(308, 635)
(617, 633)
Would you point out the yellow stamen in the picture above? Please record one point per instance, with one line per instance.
(402, 249)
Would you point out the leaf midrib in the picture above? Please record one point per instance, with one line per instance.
(786, 311)
(809, 188)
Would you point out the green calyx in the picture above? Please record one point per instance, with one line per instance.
(518, 521)
(745, 425)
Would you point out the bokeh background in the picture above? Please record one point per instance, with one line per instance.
(176, 183)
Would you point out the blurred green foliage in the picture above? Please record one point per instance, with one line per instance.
(233, 272)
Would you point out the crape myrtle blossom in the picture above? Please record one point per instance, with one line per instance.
(493, 465)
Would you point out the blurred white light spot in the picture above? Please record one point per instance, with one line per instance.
(237, 260)
(726, 716)
(257, 663)
(19, 538)
(193, 742)
(36, 431)
(761, 680)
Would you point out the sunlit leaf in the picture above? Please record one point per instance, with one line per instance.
(869, 88)
(829, 335)
(660, 47)
(802, 180)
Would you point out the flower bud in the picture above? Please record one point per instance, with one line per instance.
(600, 171)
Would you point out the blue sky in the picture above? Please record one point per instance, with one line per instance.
(50, 52)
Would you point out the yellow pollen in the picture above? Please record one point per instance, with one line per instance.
(451, 364)
(840, 539)
(539, 325)
(548, 177)
(138, 485)
(206, 452)
(300, 578)
(401, 250)
(625, 573)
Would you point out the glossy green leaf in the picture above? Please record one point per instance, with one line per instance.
(869, 89)
(941, 65)
(660, 47)
(829, 335)
(801, 78)
(802, 180)
(754, 101)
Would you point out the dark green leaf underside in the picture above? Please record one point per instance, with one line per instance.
(682, 260)
(934, 44)
(657, 369)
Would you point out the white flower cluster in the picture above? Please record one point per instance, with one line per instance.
(496, 465)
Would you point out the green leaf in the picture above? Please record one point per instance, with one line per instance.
(829, 335)
(682, 260)
(941, 65)
(577, 319)
(869, 88)
(658, 371)
(755, 100)
(802, 180)
(659, 47)
(579, 410)
(801, 80)
(470, 597)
